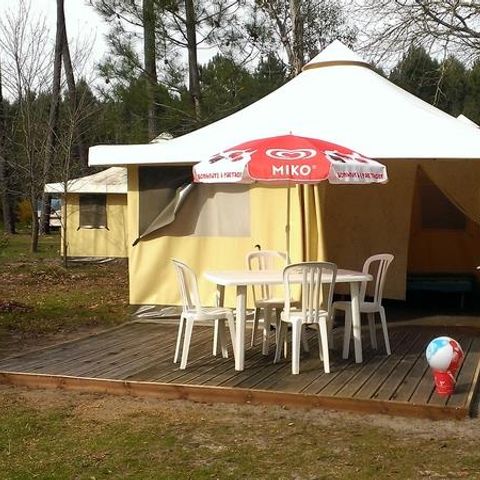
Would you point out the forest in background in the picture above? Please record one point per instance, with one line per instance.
(52, 109)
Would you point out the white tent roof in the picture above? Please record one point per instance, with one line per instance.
(111, 180)
(339, 98)
(467, 121)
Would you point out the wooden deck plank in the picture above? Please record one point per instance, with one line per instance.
(468, 371)
(387, 367)
(203, 361)
(392, 383)
(350, 371)
(267, 376)
(200, 348)
(161, 350)
(164, 368)
(361, 372)
(253, 358)
(107, 360)
(120, 361)
(425, 387)
(69, 355)
(311, 369)
(258, 372)
(76, 349)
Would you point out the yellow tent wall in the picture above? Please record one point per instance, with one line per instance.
(344, 224)
(152, 276)
(96, 242)
(361, 220)
(358, 221)
(441, 249)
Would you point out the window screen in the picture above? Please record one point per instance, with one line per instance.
(93, 211)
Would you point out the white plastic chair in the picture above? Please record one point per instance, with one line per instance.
(266, 297)
(376, 265)
(317, 285)
(194, 312)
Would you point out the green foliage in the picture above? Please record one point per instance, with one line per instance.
(228, 86)
(472, 99)
(452, 86)
(266, 28)
(417, 73)
(448, 85)
(270, 74)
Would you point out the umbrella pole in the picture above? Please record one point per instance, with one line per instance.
(287, 226)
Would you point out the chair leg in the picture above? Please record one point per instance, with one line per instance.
(296, 340)
(215, 338)
(267, 320)
(179, 339)
(373, 330)
(222, 337)
(186, 343)
(383, 319)
(281, 338)
(323, 344)
(278, 321)
(305, 346)
(331, 319)
(347, 332)
(231, 327)
(254, 326)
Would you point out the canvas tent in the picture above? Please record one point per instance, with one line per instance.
(338, 97)
(94, 214)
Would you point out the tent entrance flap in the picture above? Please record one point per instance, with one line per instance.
(162, 191)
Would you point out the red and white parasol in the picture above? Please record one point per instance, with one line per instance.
(289, 159)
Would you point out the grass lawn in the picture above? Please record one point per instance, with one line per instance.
(41, 299)
(67, 435)
(60, 435)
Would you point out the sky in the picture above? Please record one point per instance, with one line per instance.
(83, 23)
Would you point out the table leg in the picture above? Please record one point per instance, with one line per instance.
(220, 297)
(240, 327)
(356, 326)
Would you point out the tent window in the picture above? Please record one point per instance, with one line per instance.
(93, 211)
(437, 210)
(157, 188)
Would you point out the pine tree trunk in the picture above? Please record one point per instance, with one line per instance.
(297, 36)
(193, 74)
(53, 117)
(149, 51)
(35, 225)
(72, 93)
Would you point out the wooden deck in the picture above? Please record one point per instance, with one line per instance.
(136, 359)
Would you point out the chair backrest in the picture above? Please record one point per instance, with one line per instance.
(317, 283)
(188, 286)
(265, 260)
(377, 265)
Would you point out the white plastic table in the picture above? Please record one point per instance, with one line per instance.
(241, 279)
